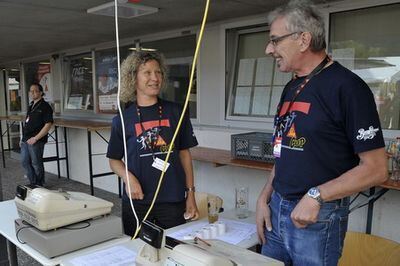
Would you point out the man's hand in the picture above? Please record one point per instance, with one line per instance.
(306, 212)
(263, 219)
(191, 212)
(31, 141)
(136, 189)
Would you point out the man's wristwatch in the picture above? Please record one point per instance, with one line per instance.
(315, 194)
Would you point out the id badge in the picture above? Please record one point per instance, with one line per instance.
(159, 164)
(277, 147)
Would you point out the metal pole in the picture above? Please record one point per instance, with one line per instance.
(89, 135)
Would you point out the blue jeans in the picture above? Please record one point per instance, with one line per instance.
(32, 161)
(318, 244)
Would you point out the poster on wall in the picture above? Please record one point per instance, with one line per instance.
(80, 96)
(44, 79)
(107, 82)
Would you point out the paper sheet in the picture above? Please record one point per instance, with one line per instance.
(236, 232)
(116, 256)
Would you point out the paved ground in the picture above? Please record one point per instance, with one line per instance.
(13, 175)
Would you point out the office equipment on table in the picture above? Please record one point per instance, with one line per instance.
(162, 250)
(49, 209)
(58, 222)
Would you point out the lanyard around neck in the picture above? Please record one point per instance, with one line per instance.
(300, 87)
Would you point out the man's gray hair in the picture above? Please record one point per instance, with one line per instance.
(302, 16)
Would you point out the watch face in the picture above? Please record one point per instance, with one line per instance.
(313, 192)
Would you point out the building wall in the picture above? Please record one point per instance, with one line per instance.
(214, 131)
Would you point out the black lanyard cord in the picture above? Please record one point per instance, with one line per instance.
(300, 87)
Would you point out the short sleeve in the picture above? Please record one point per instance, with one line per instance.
(48, 114)
(360, 114)
(187, 138)
(115, 145)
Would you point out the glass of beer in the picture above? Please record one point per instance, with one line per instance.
(213, 208)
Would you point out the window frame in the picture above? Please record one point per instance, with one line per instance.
(232, 75)
(66, 82)
(351, 6)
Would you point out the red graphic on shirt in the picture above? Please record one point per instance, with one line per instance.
(149, 125)
(296, 106)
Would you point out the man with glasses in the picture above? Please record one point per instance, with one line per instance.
(38, 121)
(328, 144)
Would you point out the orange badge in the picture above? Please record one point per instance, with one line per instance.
(292, 132)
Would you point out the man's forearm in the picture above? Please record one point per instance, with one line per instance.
(371, 171)
(44, 131)
(266, 192)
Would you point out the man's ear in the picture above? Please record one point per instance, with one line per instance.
(305, 38)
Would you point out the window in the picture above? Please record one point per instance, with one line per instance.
(179, 53)
(14, 90)
(367, 42)
(79, 82)
(255, 84)
(39, 72)
(107, 78)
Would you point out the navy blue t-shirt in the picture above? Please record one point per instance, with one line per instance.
(332, 120)
(140, 153)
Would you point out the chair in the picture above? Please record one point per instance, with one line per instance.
(368, 250)
(201, 202)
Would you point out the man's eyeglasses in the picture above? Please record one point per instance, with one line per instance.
(276, 40)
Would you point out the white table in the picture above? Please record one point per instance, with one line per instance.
(137, 244)
(9, 213)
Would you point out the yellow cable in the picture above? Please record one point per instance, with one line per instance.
(182, 115)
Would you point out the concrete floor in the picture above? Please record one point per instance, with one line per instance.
(13, 175)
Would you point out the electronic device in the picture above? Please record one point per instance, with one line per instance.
(50, 209)
(69, 238)
(174, 252)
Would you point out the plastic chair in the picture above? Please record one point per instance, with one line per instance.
(369, 250)
(201, 202)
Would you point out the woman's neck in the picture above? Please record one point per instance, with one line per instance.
(146, 101)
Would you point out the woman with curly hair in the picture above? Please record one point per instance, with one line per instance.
(149, 124)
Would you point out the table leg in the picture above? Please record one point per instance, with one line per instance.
(370, 211)
(12, 253)
(90, 161)
(66, 151)
(57, 152)
(2, 146)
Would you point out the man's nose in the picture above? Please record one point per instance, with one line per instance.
(269, 49)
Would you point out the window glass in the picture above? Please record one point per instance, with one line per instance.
(179, 55)
(79, 82)
(255, 84)
(39, 72)
(107, 78)
(367, 42)
(14, 90)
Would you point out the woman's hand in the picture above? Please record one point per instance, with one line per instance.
(191, 213)
(136, 192)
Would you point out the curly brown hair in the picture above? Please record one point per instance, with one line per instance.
(129, 68)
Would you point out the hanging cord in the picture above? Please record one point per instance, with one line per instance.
(182, 115)
(120, 112)
(183, 112)
(180, 119)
